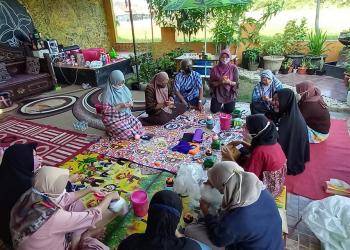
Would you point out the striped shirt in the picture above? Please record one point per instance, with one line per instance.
(188, 85)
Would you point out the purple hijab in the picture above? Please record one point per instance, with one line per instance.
(224, 93)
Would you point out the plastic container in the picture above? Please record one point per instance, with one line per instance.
(225, 121)
(80, 125)
(139, 202)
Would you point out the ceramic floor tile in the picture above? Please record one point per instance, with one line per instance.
(292, 244)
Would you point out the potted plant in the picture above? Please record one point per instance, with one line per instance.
(303, 67)
(317, 48)
(287, 66)
(344, 37)
(311, 68)
(347, 70)
(273, 50)
(135, 62)
(293, 36)
(252, 56)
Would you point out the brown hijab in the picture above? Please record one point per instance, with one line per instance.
(240, 188)
(310, 93)
(162, 94)
(38, 204)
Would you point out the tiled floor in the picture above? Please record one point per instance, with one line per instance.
(330, 86)
(299, 235)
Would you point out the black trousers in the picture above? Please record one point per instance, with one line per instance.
(216, 106)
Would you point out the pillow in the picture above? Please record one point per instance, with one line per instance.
(32, 65)
(4, 75)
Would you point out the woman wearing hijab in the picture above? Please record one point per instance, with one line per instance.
(292, 131)
(263, 91)
(164, 215)
(223, 84)
(40, 219)
(116, 114)
(249, 218)
(16, 172)
(315, 111)
(267, 160)
(160, 105)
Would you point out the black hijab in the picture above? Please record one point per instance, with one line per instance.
(293, 133)
(164, 215)
(262, 134)
(16, 172)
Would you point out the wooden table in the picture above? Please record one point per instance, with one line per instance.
(212, 60)
(70, 74)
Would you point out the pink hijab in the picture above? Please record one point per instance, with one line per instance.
(162, 94)
(224, 94)
(310, 93)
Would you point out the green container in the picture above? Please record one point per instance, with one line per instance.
(236, 113)
(210, 161)
(216, 145)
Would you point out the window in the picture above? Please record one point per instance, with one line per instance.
(141, 19)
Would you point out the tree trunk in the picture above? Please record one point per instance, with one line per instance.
(317, 19)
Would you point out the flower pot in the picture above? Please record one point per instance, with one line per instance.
(316, 60)
(320, 72)
(302, 71)
(134, 68)
(346, 79)
(344, 38)
(348, 98)
(253, 66)
(310, 71)
(290, 69)
(135, 86)
(296, 59)
(273, 63)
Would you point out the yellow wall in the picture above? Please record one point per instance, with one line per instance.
(81, 22)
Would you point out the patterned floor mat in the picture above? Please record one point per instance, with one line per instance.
(121, 175)
(156, 152)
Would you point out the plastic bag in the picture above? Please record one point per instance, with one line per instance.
(329, 220)
(188, 180)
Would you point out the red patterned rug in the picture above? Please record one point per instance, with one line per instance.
(55, 145)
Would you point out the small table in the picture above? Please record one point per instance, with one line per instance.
(213, 59)
(69, 74)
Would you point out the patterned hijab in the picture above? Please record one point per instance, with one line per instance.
(310, 93)
(115, 91)
(274, 81)
(162, 94)
(38, 204)
(240, 188)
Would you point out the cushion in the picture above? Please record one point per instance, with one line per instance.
(32, 65)
(4, 75)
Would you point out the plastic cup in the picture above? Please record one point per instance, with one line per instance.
(139, 202)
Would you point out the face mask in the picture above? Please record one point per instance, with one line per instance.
(59, 198)
(56, 199)
(37, 162)
(118, 85)
(226, 60)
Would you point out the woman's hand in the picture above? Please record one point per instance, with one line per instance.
(96, 190)
(204, 206)
(112, 196)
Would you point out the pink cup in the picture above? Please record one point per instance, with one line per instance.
(139, 202)
(225, 121)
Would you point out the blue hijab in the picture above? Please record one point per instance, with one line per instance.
(115, 91)
(268, 74)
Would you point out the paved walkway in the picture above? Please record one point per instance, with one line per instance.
(330, 86)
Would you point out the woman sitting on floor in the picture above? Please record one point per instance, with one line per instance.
(160, 105)
(43, 216)
(315, 111)
(223, 84)
(116, 114)
(16, 172)
(164, 215)
(267, 160)
(263, 91)
(248, 219)
(292, 130)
